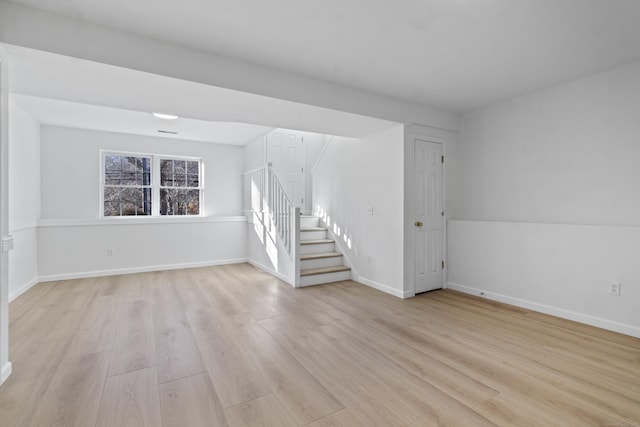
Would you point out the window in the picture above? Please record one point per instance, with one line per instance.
(127, 185)
(150, 185)
(179, 187)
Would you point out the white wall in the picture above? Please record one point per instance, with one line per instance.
(352, 176)
(73, 241)
(548, 200)
(314, 143)
(570, 154)
(76, 249)
(24, 199)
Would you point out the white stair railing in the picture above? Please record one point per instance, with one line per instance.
(281, 209)
(264, 193)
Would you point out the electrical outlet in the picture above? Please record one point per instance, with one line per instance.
(110, 251)
(614, 288)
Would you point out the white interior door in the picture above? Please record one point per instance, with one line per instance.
(429, 216)
(285, 152)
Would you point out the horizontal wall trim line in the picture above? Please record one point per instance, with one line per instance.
(13, 228)
(24, 288)
(384, 288)
(115, 272)
(553, 311)
(136, 221)
(559, 224)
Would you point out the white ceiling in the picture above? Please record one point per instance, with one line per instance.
(64, 91)
(452, 54)
(84, 116)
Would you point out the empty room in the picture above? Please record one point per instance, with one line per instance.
(353, 214)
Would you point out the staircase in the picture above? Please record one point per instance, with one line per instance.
(319, 261)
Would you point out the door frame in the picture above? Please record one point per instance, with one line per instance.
(412, 133)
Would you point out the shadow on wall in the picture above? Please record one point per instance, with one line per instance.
(262, 225)
(342, 236)
(267, 236)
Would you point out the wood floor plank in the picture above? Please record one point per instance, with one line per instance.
(220, 291)
(232, 345)
(97, 328)
(134, 346)
(455, 383)
(235, 378)
(74, 394)
(131, 400)
(343, 418)
(177, 355)
(261, 412)
(301, 393)
(191, 401)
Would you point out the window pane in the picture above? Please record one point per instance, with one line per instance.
(166, 173)
(126, 201)
(112, 163)
(192, 167)
(179, 166)
(179, 173)
(193, 202)
(179, 180)
(193, 180)
(174, 201)
(127, 170)
(112, 208)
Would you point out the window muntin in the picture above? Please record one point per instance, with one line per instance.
(127, 185)
(150, 185)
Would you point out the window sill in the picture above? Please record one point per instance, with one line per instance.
(138, 221)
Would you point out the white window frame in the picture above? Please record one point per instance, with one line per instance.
(155, 183)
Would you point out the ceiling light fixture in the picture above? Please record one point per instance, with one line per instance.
(165, 116)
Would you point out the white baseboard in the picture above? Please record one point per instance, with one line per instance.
(384, 288)
(114, 272)
(24, 288)
(269, 270)
(610, 325)
(5, 373)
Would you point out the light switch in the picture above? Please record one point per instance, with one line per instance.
(370, 210)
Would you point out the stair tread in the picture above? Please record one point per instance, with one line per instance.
(316, 242)
(320, 255)
(313, 229)
(322, 270)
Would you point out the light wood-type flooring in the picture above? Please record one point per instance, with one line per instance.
(231, 345)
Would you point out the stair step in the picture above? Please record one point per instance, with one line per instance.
(309, 221)
(302, 230)
(320, 255)
(324, 270)
(316, 242)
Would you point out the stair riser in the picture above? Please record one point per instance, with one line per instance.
(321, 262)
(313, 235)
(318, 279)
(314, 249)
(309, 222)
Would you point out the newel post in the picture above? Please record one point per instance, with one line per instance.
(295, 246)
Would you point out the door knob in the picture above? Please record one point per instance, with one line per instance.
(419, 224)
